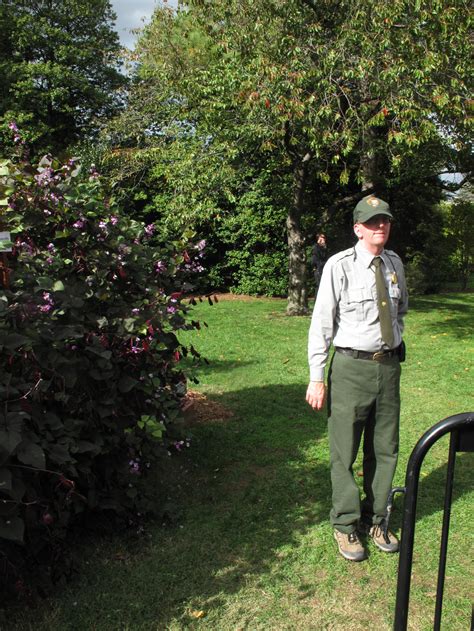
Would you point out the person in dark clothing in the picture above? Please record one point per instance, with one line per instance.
(319, 258)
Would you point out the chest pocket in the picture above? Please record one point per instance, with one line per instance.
(358, 301)
(395, 294)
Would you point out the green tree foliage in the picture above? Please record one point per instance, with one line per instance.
(254, 259)
(59, 69)
(329, 97)
(92, 365)
(459, 221)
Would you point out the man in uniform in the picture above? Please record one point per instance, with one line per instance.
(360, 306)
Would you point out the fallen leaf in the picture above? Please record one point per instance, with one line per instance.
(198, 614)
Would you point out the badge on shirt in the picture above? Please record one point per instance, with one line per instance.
(394, 279)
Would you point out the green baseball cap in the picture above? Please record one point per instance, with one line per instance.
(370, 206)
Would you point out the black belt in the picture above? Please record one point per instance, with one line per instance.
(378, 356)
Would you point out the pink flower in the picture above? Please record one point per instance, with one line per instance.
(134, 466)
(49, 303)
(45, 177)
(80, 223)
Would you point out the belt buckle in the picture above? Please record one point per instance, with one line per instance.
(378, 356)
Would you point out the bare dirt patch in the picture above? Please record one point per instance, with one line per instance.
(198, 409)
(222, 297)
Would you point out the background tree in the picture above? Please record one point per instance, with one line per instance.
(329, 99)
(459, 215)
(59, 68)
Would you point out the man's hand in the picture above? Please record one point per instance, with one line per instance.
(316, 394)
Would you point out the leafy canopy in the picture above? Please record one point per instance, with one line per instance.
(59, 69)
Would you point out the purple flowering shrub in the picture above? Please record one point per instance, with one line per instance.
(92, 370)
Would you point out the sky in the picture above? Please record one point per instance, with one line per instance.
(131, 14)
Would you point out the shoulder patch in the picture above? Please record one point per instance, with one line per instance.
(339, 256)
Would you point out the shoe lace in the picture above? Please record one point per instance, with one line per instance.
(353, 538)
(382, 530)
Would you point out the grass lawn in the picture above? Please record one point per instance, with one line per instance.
(245, 542)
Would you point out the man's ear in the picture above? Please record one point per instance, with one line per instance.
(357, 230)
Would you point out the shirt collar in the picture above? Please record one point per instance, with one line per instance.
(367, 257)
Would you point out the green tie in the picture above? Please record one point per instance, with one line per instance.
(383, 304)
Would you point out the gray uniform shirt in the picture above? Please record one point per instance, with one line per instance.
(346, 311)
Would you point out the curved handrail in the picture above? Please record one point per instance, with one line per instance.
(431, 436)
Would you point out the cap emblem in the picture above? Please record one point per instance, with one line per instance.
(373, 201)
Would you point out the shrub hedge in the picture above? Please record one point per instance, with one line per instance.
(90, 311)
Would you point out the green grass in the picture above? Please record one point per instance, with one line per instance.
(247, 539)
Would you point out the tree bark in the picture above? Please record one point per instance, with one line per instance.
(297, 272)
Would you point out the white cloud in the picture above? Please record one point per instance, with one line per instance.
(132, 14)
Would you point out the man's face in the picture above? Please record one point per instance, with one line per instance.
(374, 233)
(321, 239)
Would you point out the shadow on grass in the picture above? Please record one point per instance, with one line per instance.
(457, 309)
(238, 502)
(241, 506)
(257, 483)
(221, 365)
(262, 499)
(456, 302)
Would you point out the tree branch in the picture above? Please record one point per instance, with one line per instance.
(310, 4)
(355, 197)
(295, 155)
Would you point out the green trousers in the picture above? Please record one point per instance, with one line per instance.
(364, 402)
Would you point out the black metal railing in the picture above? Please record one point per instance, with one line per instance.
(461, 428)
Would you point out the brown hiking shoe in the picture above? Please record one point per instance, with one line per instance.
(376, 533)
(350, 546)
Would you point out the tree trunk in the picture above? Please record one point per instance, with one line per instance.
(368, 160)
(297, 289)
